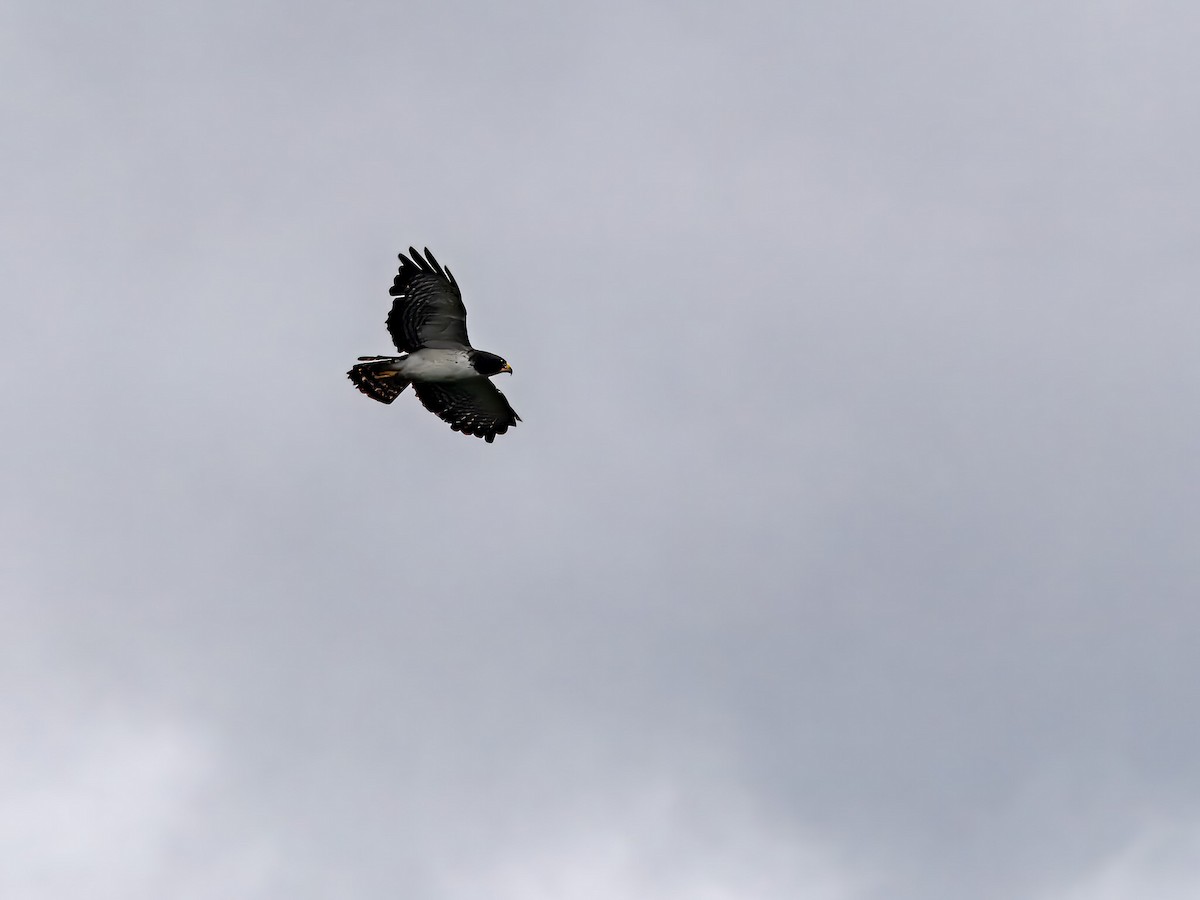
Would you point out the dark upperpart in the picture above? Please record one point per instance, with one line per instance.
(488, 363)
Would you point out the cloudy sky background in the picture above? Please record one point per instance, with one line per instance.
(848, 549)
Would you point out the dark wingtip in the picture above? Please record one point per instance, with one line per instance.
(437, 267)
(426, 263)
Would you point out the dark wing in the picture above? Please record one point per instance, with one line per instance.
(473, 407)
(428, 310)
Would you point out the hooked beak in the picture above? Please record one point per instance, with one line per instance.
(507, 368)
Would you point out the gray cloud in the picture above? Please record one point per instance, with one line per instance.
(847, 547)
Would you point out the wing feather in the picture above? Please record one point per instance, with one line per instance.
(474, 407)
(428, 310)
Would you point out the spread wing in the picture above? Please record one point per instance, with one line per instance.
(428, 310)
(473, 407)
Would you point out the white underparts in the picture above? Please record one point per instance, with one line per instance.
(428, 364)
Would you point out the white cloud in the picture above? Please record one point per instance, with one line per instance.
(852, 351)
(1162, 862)
(659, 846)
(114, 807)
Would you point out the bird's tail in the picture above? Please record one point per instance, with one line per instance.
(376, 376)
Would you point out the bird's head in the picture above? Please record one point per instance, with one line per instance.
(489, 363)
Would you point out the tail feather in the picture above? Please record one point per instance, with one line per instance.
(376, 378)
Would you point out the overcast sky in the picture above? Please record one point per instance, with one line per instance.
(849, 548)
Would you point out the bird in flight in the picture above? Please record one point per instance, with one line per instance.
(428, 323)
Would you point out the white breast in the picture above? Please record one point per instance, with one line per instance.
(437, 365)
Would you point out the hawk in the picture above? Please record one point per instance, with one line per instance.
(428, 323)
